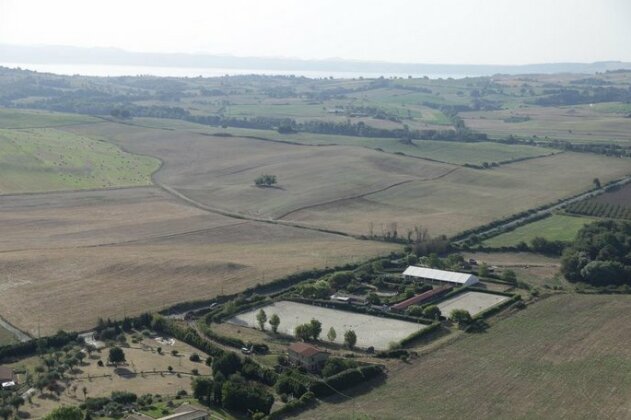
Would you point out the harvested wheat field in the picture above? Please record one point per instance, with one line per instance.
(348, 188)
(68, 258)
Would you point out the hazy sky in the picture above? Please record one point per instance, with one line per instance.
(429, 31)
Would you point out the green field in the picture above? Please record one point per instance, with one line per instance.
(45, 159)
(564, 357)
(554, 228)
(19, 118)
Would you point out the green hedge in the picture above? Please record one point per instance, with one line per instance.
(367, 310)
(222, 339)
(191, 337)
(345, 379)
(420, 334)
(30, 348)
(294, 406)
(392, 354)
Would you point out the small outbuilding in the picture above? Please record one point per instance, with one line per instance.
(422, 298)
(307, 356)
(443, 277)
(6, 374)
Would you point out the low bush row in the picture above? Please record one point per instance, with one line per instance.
(345, 379)
(420, 334)
(294, 406)
(40, 345)
(368, 310)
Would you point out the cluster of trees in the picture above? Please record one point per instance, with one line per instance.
(312, 330)
(600, 254)
(608, 149)
(567, 96)
(236, 386)
(274, 321)
(309, 331)
(41, 346)
(265, 180)
(429, 312)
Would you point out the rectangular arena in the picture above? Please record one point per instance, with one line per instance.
(371, 330)
(473, 302)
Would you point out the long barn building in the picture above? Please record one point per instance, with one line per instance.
(432, 275)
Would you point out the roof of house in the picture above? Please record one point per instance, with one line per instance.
(6, 372)
(304, 349)
(442, 275)
(421, 298)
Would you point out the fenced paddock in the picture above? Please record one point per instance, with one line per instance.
(473, 302)
(371, 330)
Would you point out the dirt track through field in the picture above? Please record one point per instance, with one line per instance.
(366, 194)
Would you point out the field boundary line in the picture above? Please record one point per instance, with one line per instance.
(357, 196)
(53, 126)
(226, 213)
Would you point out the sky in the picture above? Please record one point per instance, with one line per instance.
(411, 31)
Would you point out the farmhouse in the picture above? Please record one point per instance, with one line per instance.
(307, 356)
(431, 275)
(422, 298)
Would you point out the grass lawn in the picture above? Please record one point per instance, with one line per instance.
(557, 227)
(564, 357)
(45, 159)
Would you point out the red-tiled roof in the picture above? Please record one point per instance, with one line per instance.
(304, 349)
(421, 298)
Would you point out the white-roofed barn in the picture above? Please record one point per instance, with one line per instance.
(432, 275)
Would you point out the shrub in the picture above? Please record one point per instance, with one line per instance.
(123, 397)
(345, 379)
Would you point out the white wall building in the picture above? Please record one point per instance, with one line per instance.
(431, 275)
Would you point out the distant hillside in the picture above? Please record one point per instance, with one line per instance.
(112, 56)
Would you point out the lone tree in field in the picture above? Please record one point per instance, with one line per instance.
(274, 322)
(331, 335)
(261, 317)
(462, 317)
(116, 356)
(265, 181)
(350, 339)
(596, 182)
